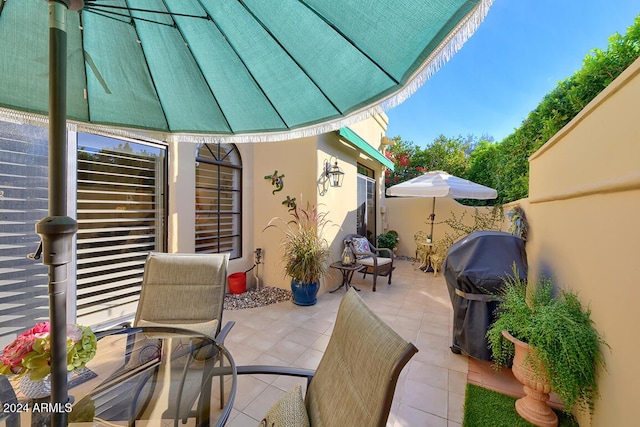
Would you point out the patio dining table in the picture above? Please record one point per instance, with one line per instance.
(139, 376)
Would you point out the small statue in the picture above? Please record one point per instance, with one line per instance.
(276, 180)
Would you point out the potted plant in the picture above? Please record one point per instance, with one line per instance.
(387, 240)
(554, 346)
(305, 251)
(28, 357)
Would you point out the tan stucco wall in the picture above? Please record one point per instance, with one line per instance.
(408, 215)
(302, 162)
(181, 209)
(583, 200)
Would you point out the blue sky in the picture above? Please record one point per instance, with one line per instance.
(518, 54)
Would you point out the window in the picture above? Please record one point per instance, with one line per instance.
(366, 212)
(218, 199)
(121, 218)
(23, 202)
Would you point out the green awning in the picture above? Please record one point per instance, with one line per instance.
(363, 145)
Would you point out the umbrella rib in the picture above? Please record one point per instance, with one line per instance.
(2, 6)
(349, 40)
(107, 14)
(258, 85)
(215, 99)
(95, 5)
(284, 49)
(155, 88)
(84, 61)
(104, 15)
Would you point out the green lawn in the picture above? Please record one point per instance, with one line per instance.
(486, 408)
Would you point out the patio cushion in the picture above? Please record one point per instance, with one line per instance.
(360, 244)
(368, 261)
(288, 411)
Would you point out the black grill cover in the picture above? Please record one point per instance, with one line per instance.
(475, 267)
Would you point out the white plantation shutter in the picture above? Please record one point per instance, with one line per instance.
(23, 202)
(121, 218)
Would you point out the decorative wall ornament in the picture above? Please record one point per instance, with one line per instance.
(276, 180)
(290, 203)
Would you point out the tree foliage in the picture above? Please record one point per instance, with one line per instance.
(505, 165)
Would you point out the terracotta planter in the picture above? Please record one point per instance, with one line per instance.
(533, 407)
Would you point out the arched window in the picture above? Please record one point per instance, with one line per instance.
(218, 199)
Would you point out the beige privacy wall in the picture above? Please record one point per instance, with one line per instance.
(584, 202)
(408, 215)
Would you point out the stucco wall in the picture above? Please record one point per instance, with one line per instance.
(408, 215)
(297, 160)
(302, 162)
(583, 201)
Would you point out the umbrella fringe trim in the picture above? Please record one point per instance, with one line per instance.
(440, 56)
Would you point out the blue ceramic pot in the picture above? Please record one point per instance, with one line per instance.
(304, 293)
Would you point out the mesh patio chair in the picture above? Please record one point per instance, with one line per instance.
(356, 377)
(375, 261)
(183, 291)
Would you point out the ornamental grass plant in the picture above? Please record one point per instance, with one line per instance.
(304, 249)
(561, 333)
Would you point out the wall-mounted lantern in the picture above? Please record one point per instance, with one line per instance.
(333, 173)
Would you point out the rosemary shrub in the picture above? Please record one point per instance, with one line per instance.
(304, 250)
(560, 332)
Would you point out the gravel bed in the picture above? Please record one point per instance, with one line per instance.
(265, 296)
(258, 298)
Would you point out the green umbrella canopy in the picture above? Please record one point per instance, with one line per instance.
(238, 70)
(206, 71)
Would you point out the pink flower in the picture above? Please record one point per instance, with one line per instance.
(38, 330)
(14, 352)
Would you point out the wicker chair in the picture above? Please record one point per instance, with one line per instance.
(371, 259)
(357, 375)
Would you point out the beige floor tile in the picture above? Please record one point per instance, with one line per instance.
(455, 408)
(425, 398)
(242, 420)
(457, 382)
(259, 406)
(287, 350)
(321, 343)
(304, 336)
(309, 359)
(407, 416)
(430, 390)
(427, 373)
(248, 389)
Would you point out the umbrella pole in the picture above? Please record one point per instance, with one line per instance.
(433, 217)
(57, 230)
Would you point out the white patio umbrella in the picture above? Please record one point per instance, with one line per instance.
(441, 184)
(207, 71)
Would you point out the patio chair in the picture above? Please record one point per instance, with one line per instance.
(421, 250)
(370, 257)
(356, 377)
(185, 291)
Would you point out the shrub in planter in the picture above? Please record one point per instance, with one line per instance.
(561, 334)
(387, 240)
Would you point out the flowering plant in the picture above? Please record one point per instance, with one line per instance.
(30, 352)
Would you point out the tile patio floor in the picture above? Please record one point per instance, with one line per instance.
(430, 391)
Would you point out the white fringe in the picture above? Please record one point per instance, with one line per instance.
(445, 51)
